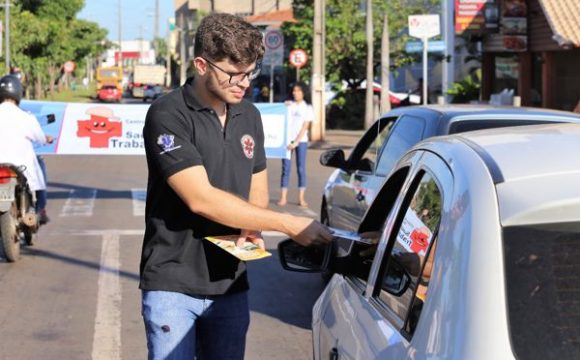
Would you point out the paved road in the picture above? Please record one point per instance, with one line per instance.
(74, 295)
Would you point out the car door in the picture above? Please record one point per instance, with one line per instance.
(349, 187)
(334, 311)
(388, 314)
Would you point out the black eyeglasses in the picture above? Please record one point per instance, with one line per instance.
(236, 78)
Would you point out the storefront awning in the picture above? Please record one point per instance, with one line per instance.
(563, 17)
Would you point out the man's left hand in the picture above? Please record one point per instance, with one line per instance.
(255, 237)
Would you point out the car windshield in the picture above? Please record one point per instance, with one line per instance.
(543, 287)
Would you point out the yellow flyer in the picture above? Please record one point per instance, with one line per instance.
(246, 252)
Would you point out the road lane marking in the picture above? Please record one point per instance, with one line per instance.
(79, 203)
(107, 336)
(139, 196)
(309, 212)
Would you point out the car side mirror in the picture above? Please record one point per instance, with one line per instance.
(333, 158)
(298, 258)
(397, 279)
(365, 165)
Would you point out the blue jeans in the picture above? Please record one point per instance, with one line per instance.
(41, 195)
(180, 326)
(300, 164)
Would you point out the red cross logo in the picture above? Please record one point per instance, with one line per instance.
(248, 146)
(100, 127)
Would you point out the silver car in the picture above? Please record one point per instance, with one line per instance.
(470, 251)
(354, 184)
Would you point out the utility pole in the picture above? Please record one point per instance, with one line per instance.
(183, 65)
(369, 109)
(385, 103)
(7, 21)
(156, 25)
(449, 53)
(318, 72)
(120, 57)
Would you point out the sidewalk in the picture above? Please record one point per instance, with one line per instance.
(343, 139)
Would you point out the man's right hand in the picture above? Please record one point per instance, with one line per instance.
(306, 231)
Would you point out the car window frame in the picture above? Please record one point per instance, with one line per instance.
(442, 175)
(366, 141)
(391, 186)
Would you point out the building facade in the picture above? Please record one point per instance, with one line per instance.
(536, 53)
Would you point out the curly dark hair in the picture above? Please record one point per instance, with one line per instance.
(220, 36)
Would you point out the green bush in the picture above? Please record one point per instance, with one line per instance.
(466, 90)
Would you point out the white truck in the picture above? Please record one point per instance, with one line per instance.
(145, 77)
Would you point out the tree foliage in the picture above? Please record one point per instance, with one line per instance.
(345, 48)
(46, 34)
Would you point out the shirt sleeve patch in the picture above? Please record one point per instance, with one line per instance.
(248, 145)
(167, 143)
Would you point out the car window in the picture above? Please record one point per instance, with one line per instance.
(365, 154)
(404, 281)
(542, 283)
(471, 125)
(357, 258)
(407, 132)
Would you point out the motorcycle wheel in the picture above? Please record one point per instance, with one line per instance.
(10, 238)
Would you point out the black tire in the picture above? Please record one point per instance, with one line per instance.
(10, 238)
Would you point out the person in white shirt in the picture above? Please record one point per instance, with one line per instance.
(18, 131)
(300, 115)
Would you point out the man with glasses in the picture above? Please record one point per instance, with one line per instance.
(207, 176)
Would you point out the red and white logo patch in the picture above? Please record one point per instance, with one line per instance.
(248, 146)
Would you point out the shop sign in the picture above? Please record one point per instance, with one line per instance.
(476, 16)
(514, 26)
(506, 68)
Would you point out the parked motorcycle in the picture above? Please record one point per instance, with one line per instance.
(18, 219)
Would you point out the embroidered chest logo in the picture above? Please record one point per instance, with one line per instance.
(248, 146)
(167, 143)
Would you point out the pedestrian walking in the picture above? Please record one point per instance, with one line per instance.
(300, 116)
(207, 176)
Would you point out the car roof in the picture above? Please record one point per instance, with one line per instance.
(454, 112)
(533, 150)
(539, 167)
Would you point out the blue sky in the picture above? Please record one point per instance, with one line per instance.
(137, 17)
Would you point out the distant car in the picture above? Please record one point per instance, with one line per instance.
(345, 109)
(109, 93)
(471, 252)
(354, 184)
(152, 92)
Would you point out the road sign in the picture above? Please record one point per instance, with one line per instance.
(417, 46)
(298, 58)
(424, 26)
(274, 43)
(69, 66)
(274, 39)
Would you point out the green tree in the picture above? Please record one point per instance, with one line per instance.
(46, 34)
(345, 35)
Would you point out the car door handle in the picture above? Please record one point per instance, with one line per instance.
(333, 354)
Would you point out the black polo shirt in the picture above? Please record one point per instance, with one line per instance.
(179, 133)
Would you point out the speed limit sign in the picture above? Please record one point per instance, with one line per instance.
(298, 58)
(69, 66)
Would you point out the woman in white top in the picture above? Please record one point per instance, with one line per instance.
(300, 115)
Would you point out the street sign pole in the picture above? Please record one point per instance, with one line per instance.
(425, 65)
(424, 27)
